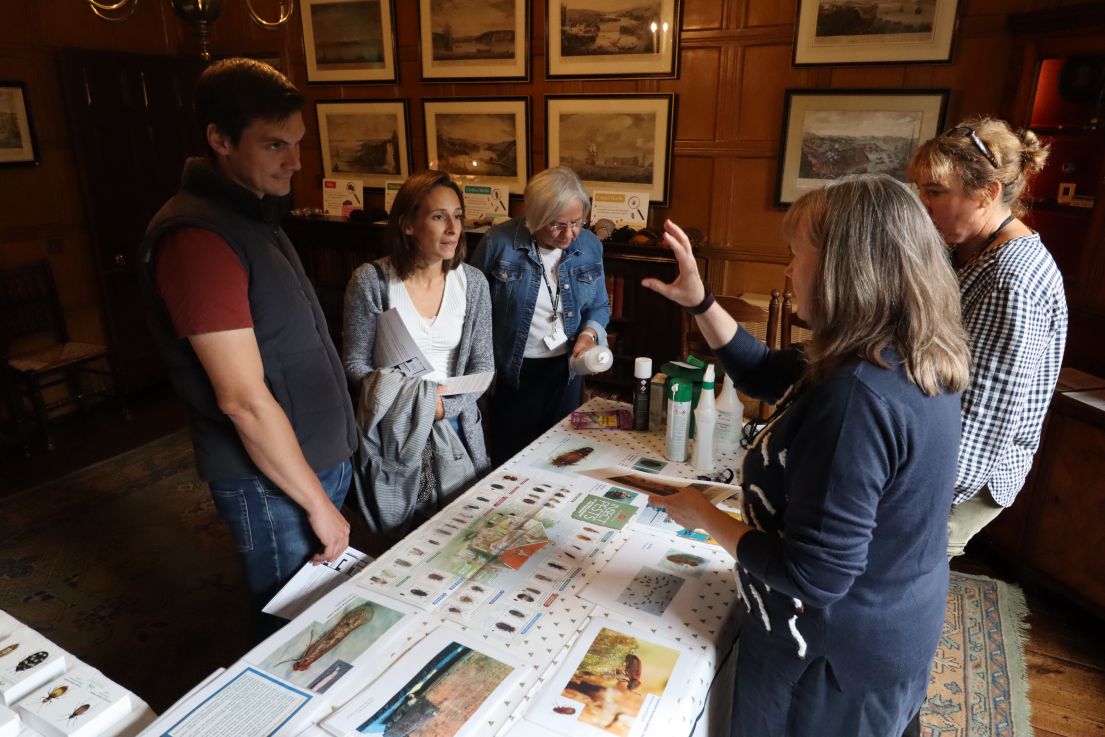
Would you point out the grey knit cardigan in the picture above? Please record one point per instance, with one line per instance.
(365, 297)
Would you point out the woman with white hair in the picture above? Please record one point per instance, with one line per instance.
(548, 304)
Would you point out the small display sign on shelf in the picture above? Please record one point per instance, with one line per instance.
(342, 196)
(623, 208)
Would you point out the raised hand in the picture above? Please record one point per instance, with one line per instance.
(687, 289)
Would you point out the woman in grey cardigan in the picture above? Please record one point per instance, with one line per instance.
(412, 437)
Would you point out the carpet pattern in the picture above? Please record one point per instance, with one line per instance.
(978, 686)
(127, 565)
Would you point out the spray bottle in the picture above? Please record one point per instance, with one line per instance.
(705, 418)
(730, 413)
(679, 421)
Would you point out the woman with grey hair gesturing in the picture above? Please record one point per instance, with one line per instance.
(840, 559)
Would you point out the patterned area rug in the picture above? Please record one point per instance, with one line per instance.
(979, 684)
(126, 565)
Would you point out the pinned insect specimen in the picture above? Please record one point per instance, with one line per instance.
(431, 541)
(557, 566)
(685, 559)
(543, 577)
(524, 597)
(533, 590)
(419, 592)
(508, 477)
(474, 506)
(435, 576)
(9, 650)
(572, 457)
(564, 709)
(79, 710)
(328, 640)
(466, 599)
(527, 501)
(590, 529)
(455, 610)
(402, 563)
(504, 627)
(54, 694)
(497, 486)
(477, 588)
(587, 538)
(515, 613)
(560, 495)
(32, 660)
(565, 552)
(416, 551)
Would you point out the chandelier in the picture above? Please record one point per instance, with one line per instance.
(200, 13)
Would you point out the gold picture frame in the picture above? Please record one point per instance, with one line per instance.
(364, 139)
(482, 140)
(832, 32)
(831, 133)
(612, 38)
(614, 142)
(17, 136)
(474, 40)
(349, 40)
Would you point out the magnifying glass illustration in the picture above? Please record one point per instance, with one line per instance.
(635, 206)
(351, 188)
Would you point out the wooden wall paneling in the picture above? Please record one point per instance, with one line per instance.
(697, 121)
(705, 15)
(770, 13)
(766, 74)
(692, 177)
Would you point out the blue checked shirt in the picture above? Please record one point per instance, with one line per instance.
(1015, 315)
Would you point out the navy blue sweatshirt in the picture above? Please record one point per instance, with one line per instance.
(848, 491)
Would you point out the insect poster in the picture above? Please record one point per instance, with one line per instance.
(447, 685)
(613, 682)
(330, 639)
(574, 454)
(683, 585)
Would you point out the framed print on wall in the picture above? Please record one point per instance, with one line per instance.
(612, 38)
(364, 140)
(618, 142)
(17, 136)
(474, 40)
(479, 139)
(834, 32)
(831, 133)
(349, 40)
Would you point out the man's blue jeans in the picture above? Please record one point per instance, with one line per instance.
(270, 530)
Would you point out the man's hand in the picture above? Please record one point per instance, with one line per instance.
(332, 529)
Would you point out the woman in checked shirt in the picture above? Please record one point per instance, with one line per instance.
(972, 181)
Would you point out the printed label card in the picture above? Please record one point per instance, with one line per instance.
(82, 702)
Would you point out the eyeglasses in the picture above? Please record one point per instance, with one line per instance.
(561, 228)
(982, 148)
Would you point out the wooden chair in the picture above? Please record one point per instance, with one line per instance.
(762, 323)
(36, 352)
(793, 329)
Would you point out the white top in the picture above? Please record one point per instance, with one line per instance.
(541, 326)
(437, 337)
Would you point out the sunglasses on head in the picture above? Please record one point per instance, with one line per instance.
(982, 147)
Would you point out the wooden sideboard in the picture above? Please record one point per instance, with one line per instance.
(1054, 534)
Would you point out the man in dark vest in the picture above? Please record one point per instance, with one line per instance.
(241, 330)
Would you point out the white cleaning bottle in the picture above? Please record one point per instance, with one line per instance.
(705, 418)
(730, 416)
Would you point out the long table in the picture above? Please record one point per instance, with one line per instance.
(548, 599)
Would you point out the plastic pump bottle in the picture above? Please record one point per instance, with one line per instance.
(705, 418)
(730, 414)
(594, 360)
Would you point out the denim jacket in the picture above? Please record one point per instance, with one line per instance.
(508, 258)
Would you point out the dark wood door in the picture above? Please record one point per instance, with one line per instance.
(132, 125)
